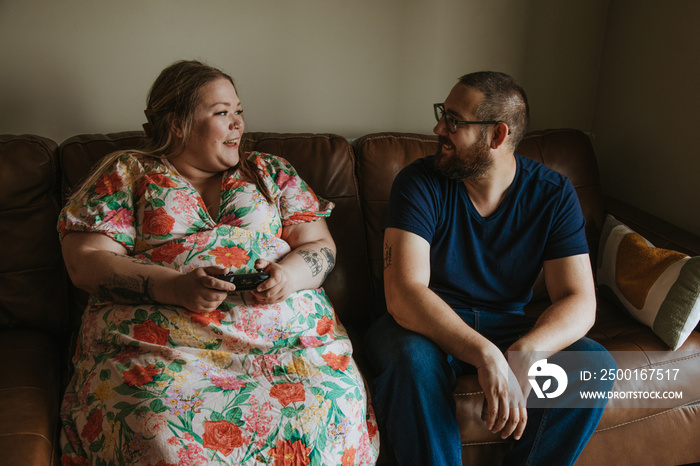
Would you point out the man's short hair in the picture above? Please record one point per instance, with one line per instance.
(504, 101)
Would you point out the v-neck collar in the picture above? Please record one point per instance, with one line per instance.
(213, 216)
(501, 206)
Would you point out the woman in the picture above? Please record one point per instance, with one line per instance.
(173, 366)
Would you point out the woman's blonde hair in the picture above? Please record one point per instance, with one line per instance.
(174, 96)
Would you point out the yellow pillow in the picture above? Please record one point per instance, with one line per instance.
(659, 287)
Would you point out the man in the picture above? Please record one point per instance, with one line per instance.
(467, 232)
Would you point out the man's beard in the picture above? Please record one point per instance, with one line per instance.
(464, 164)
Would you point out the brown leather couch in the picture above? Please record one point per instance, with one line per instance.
(40, 310)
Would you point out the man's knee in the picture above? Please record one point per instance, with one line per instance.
(585, 361)
(593, 356)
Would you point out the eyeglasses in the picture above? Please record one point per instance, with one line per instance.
(452, 123)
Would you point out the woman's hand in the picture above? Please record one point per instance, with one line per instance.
(306, 267)
(199, 291)
(275, 289)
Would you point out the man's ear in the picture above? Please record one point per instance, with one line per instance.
(500, 133)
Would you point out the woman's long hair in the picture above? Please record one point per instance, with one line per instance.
(174, 95)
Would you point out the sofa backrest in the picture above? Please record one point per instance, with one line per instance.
(31, 268)
(570, 152)
(381, 156)
(325, 161)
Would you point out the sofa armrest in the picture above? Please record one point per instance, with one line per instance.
(660, 232)
(31, 395)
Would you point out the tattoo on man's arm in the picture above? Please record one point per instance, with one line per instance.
(128, 290)
(387, 256)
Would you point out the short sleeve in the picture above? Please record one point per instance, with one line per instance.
(296, 200)
(107, 205)
(568, 228)
(413, 204)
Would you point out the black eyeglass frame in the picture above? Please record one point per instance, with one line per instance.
(451, 122)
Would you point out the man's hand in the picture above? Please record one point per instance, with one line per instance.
(504, 407)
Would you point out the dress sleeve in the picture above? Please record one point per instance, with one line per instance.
(107, 205)
(296, 201)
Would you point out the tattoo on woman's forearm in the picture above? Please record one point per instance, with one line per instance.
(330, 259)
(128, 290)
(319, 262)
(313, 260)
(135, 260)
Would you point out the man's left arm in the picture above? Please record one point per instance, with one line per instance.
(571, 288)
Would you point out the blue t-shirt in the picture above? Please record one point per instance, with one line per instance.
(488, 263)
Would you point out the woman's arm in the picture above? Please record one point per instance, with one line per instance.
(101, 266)
(306, 267)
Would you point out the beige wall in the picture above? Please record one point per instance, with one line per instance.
(647, 117)
(344, 66)
(358, 66)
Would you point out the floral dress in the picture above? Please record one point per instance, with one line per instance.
(245, 384)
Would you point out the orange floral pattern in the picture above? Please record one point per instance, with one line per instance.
(140, 375)
(230, 256)
(167, 252)
(207, 318)
(348, 458)
(287, 453)
(150, 332)
(93, 428)
(337, 362)
(110, 183)
(223, 436)
(324, 326)
(287, 393)
(157, 222)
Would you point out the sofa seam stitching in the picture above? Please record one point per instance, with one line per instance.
(688, 405)
(389, 135)
(27, 433)
(468, 393)
(474, 444)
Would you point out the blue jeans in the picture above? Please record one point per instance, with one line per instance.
(415, 381)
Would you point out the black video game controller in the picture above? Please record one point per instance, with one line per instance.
(244, 281)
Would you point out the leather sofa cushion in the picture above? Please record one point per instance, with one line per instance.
(32, 280)
(31, 394)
